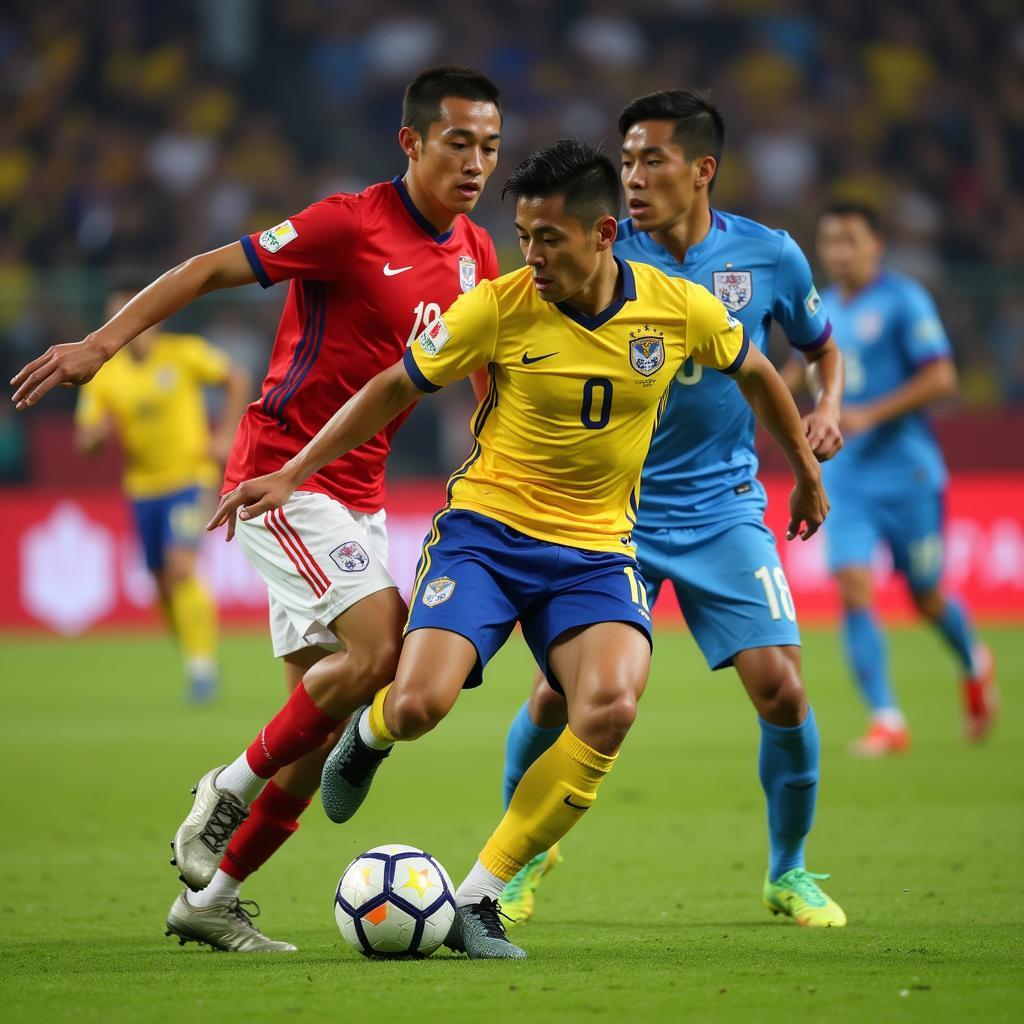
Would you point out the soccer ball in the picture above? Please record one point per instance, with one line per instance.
(394, 901)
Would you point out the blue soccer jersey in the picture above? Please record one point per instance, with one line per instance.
(702, 464)
(887, 332)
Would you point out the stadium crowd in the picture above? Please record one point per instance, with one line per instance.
(136, 134)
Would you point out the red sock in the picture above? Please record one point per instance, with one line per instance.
(273, 817)
(297, 729)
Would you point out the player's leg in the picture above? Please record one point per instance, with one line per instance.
(914, 529)
(459, 616)
(853, 532)
(212, 915)
(364, 612)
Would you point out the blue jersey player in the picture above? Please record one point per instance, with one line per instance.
(701, 507)
(888, 486)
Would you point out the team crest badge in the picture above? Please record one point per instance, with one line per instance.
(279, 236)
(733, 288)
(467, 273)
(438, 591)
(646, 351)
(350, 557)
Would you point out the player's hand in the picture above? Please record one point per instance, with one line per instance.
(821, 427)
(251, 499)
(808, 504)
(66, 365)
(855, 420)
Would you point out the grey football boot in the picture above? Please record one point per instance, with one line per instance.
(225, 926)
(348, 772)
(202, 838)
(478, 932)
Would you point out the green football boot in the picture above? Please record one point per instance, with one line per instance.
(798, 895)
(517, 901)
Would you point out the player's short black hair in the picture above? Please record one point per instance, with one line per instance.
(424, 95)
(699, 130)
(580, 172)
(855, 208)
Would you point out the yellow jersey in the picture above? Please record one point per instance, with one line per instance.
(157, 407)
(572, 400)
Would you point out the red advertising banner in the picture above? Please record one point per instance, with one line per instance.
(72, 563)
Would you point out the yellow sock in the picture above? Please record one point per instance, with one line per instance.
(550, 798)
(376, 717)
(194, 617)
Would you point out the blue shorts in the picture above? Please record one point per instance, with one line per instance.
(910, 525)
(477, 577)
(167, 521)
(729, 583)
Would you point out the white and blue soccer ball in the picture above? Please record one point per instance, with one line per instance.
(394, 901)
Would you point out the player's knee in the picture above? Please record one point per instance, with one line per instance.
(375, 664)
(608, 718)
(412, 711)
(783, 699)
(930, 603)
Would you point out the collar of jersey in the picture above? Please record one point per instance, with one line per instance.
(628, 294)
(403, 194)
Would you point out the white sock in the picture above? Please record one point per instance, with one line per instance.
(479, 883)
(368, 736)
(222, 889)
(240, 779)
(891, 718)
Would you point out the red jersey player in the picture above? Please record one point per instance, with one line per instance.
(379, 265)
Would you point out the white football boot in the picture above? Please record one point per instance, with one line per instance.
(225, 926)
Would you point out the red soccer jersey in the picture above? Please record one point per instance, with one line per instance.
(368, 273)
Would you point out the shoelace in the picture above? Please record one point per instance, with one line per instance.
(226, 817)
(487, 912)
(244, 911)
(805, 883)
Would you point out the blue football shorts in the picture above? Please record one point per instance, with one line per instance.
(477, 577)
(167, 521)
(911, 526)
(729, 583)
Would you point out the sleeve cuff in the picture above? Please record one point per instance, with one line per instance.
(254, 261)
(740, 356)
(416, 374)
(820, 340)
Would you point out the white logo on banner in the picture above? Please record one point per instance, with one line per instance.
(67, 570)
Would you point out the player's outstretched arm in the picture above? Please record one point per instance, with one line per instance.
(932, 381)
(774, 407)
(365, 414)
(77, 362)
(825, 377)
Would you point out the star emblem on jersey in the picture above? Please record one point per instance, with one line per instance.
(438, 591)
(390, 271)
(646, 350)
(350, 557)
(733, 288)
(467, 273)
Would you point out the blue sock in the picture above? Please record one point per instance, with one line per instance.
(526, 742)
(865, 650)
(958, 631)
(788, 766)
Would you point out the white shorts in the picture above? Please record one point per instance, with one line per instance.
(318, 559)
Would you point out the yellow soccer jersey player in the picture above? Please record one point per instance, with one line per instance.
(151, 396)
(155, 403)
(572, 400)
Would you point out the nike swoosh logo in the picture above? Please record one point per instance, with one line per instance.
(527, 358)
(390, 271)
(576, 807)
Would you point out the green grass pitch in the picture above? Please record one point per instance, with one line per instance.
(655, 914)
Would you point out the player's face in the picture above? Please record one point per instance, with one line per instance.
(564, 254)
(848, 249)
(659, 181)
(459, 153)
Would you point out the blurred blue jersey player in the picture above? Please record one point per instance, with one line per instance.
(888, 485)
(701, 507)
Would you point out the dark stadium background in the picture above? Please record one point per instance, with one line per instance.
(135, 134)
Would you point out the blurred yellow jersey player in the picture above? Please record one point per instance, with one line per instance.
(151, 396)
(572, 400)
